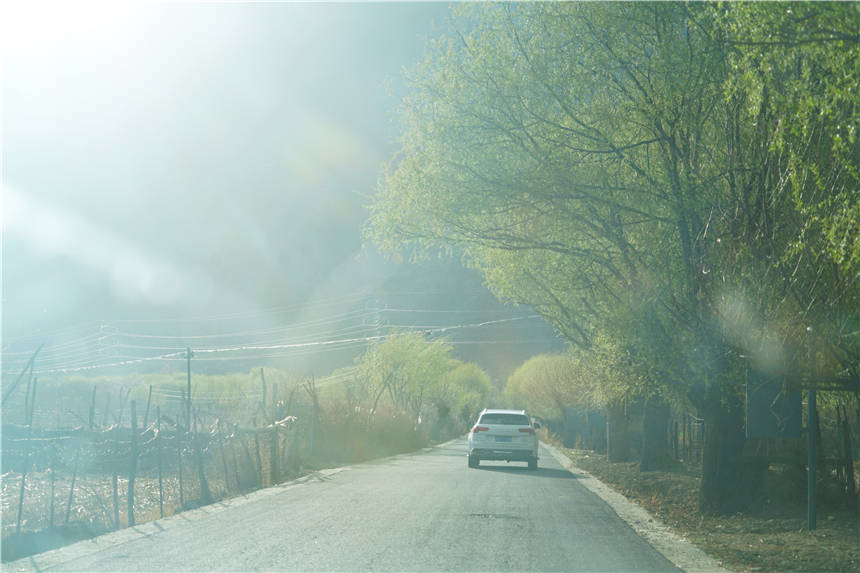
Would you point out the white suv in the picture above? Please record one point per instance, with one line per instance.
(507, 435)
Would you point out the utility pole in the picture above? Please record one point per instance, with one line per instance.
(812, 426)
(188, 392)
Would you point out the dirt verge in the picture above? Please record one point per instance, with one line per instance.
(770, 537)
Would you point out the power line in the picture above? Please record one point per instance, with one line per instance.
(88, 359)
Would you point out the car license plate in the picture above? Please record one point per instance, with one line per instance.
(503, 438)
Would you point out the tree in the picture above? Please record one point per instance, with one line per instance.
(546, 386)
(559, 145)
(794, 83)
(414, 373)
(598, 162)
(464, 391)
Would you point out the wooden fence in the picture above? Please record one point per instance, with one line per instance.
(115, 465)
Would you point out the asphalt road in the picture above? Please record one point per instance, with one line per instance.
(419, 512)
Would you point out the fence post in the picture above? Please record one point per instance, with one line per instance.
(236, 463)
(27, 399)
(259, 457)
(315, 405)
(263, 399)
(274, 463)
(146, 413)
(257, 477)
(93, 407)
(850, 485)
(179, 463)
(123, 398)
(23, 486)
(188, 392)
(675, 439)
(30, 408)
(115, 484)
(107, 409)
(811, 427)
(205, 492)
(224, 464)
(53, 482)
(72, 488)
(158, 449)
(32, 404)
(688, 449)
(133, 470)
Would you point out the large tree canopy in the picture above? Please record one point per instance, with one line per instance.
(678, 178)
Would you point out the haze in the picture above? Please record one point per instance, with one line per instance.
(167, 161)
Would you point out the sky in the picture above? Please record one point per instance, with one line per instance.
(190, 154)
(173, 160)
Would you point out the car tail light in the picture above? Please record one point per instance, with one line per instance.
(477, 429)
(527, 430)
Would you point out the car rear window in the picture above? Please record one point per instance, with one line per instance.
(505, 419)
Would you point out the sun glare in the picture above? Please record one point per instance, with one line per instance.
(41, 28)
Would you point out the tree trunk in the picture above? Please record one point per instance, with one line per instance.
(596, 423)
(568, 436)
(655, 428)
(728, 484)
(617, 435)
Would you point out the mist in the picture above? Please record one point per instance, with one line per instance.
(199, 164)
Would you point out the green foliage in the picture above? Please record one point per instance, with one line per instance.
(550, 152)
(412, 374)
(545, 385)
(464, 391)
(795, 76)
(675, 182)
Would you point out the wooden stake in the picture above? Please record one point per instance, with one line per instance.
(224, 465)
(133, 469)
(188, 392)
(263, 400)
(53, 481)
(146, 413)
(181, 491)
(107, 409)
(205, 492)
(274, 462)
(115, 483)
(72, 488)
(23, 489)
(158, 449)
(93, 408)
(30, 408)
(259, 466)
(236, 467)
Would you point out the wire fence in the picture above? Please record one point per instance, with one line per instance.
(101, 461)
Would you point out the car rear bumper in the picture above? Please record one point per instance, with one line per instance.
(502, 454)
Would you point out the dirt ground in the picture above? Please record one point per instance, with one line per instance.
(770, 537)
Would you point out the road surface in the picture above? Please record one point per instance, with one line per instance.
(417, 512)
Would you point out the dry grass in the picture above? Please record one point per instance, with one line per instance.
(771, 537)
